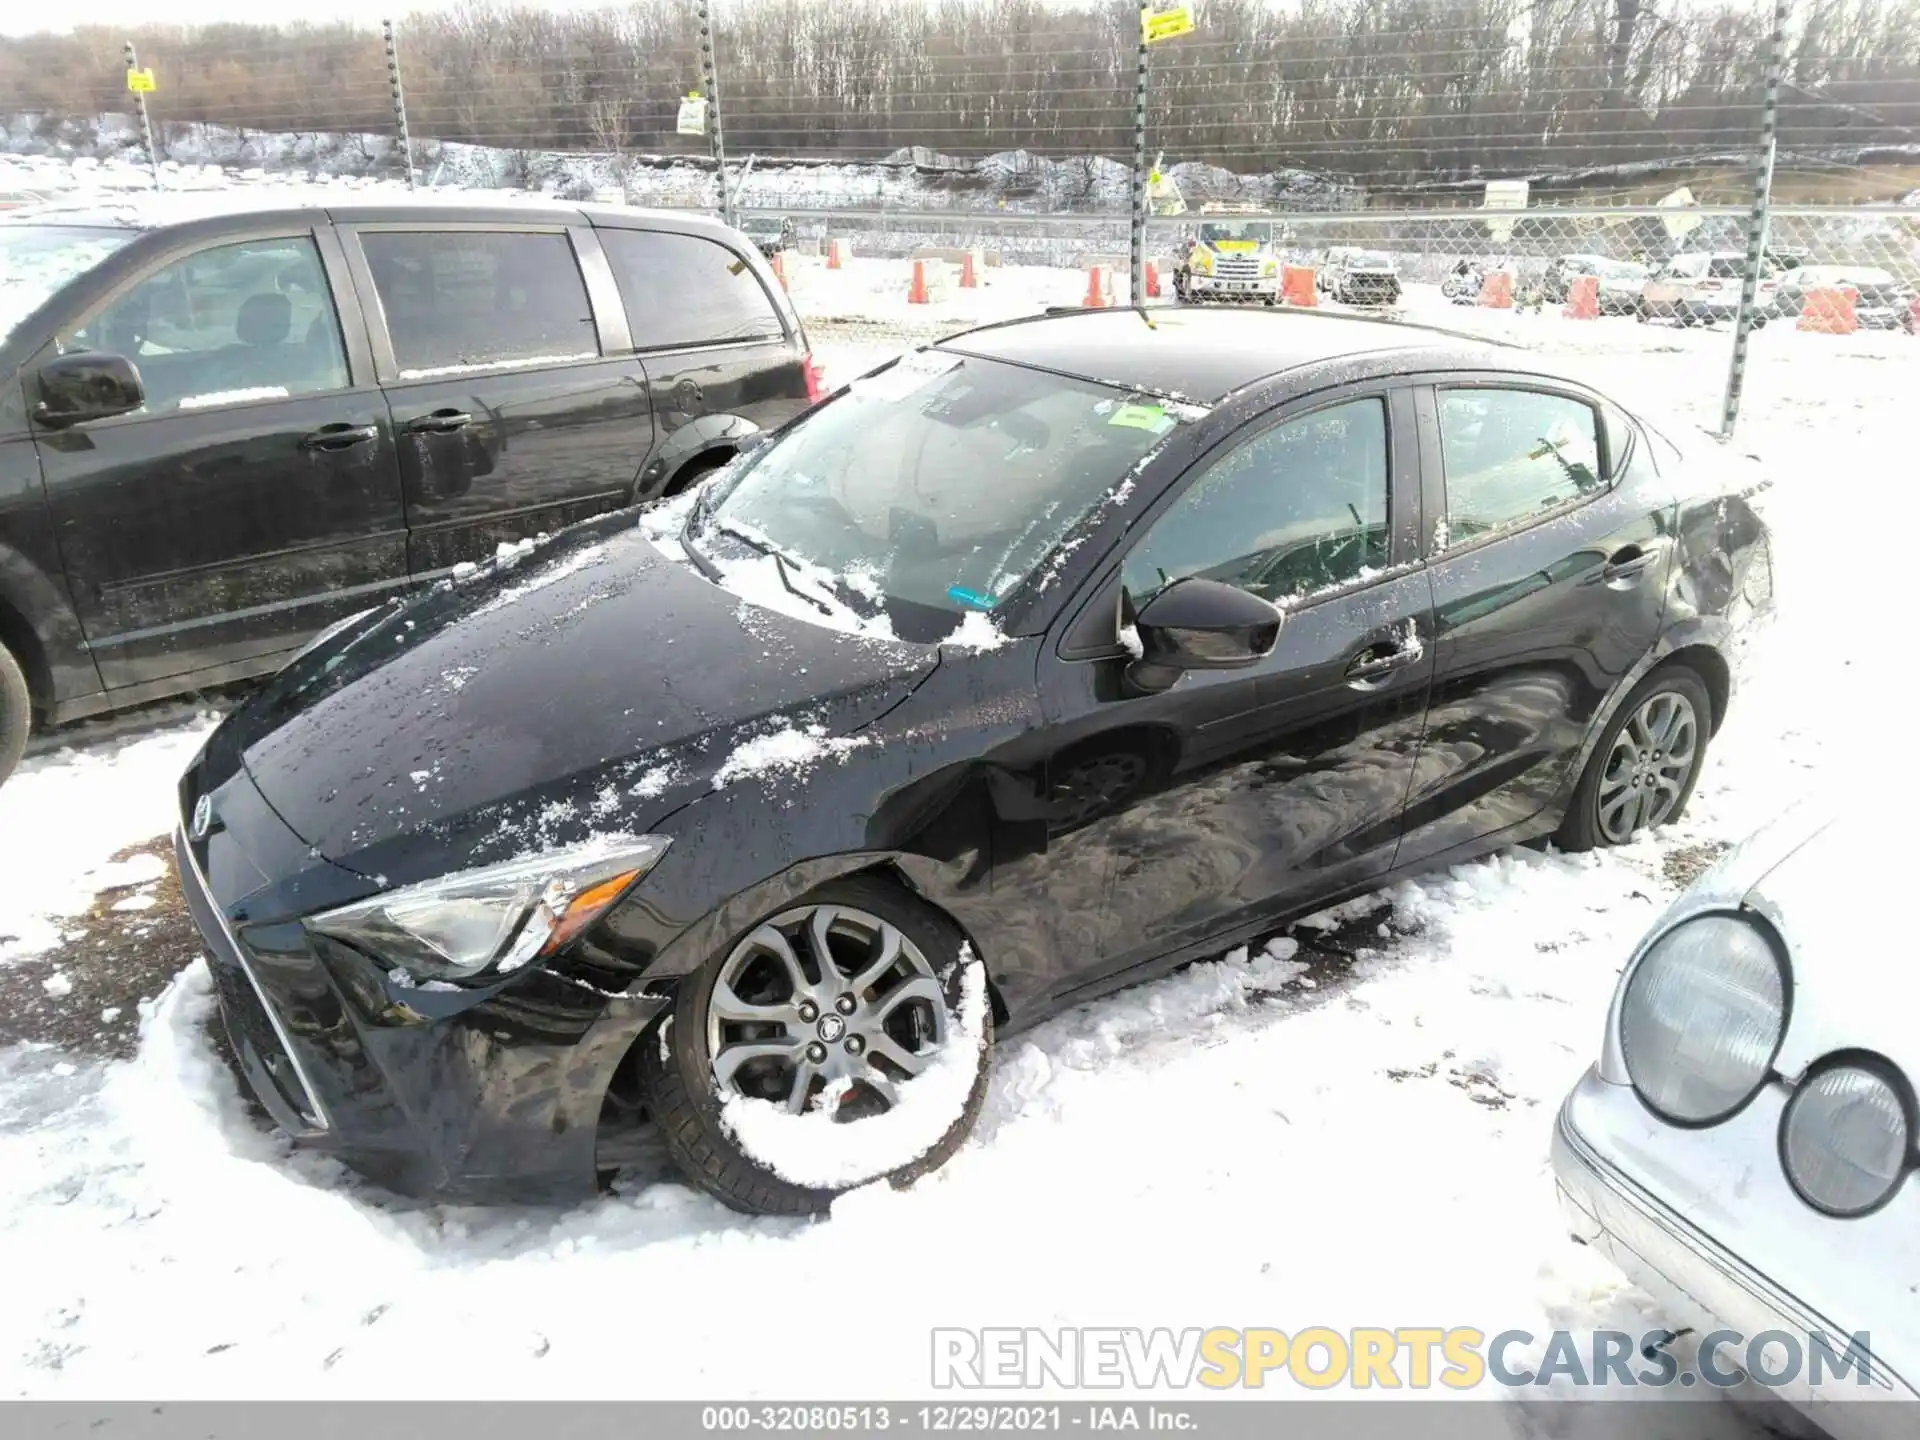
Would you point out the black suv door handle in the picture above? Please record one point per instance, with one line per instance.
(340, 436)
(439, 422)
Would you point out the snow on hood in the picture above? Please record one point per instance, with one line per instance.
(592, 683)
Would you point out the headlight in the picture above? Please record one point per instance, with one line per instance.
(1702, 1018)
(1270, 268)
(496, 918)
(1202, 263)
(1845, 1140)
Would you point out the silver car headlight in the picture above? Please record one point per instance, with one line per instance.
(1703, 1016)
(1846, 1139)
(494, 919)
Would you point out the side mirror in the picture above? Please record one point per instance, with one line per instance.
(87, 385)
(1199, 624)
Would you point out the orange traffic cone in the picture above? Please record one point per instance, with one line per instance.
(1830, 311)
(1496, 291)
(1583, 298)
(836, 254)
(1096, 288)
(1152, 287)
(917, 291)
(778, 261)
(968, 279)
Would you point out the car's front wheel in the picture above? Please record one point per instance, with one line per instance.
(16, 712)
(840, 1041)
(1642, 772)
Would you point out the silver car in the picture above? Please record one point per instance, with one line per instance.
(1745, 1148)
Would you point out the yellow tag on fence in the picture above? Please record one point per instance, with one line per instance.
(140, 82)
(1158, 25)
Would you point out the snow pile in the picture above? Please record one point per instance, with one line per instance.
(790, 751)
(815, 1150)
(64, 815)
(977, 631)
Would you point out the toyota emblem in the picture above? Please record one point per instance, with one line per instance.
(202, 818)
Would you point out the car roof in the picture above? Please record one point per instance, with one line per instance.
(1205, 353)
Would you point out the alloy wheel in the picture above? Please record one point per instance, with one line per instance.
(824, 1007)
(1648, 767)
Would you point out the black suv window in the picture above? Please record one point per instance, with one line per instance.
(1298, 508)
(225, 325)
(1512, 455)
(458, 300)
(686, 290)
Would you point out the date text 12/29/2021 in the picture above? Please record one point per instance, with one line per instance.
(942, 1419)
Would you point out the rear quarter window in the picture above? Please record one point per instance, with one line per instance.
(688, 290)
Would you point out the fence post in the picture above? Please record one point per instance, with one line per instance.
(1757, 221)
(710, 79)
(1137, 250)
(146, 123)
(399, 99)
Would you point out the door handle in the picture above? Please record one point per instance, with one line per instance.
(1372, 663)
(340, 437)
(439, 422)
(1628, 563)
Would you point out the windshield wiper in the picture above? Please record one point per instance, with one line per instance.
(755, 541)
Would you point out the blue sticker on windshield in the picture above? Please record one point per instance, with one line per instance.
(960, 595)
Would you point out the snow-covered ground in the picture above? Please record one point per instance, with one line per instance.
(1248, 1142)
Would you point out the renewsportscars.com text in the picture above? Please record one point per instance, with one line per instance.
(1368, 1358)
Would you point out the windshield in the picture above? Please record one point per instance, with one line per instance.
(1622, 270)
(1251, 232)
(1368, 259)
(36, 260)
(932, 488)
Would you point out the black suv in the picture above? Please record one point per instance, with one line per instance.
(229, 421)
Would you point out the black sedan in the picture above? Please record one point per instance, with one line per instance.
(1030, 666)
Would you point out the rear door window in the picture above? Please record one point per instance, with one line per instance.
(226, 325)
(688, 290)
(456, 301)
(1513, 456)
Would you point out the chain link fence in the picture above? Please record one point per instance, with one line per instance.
(977, 138)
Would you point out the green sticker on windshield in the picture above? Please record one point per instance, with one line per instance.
(1150, 418)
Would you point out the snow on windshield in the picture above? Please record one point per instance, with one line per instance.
(36, 260)
(941, 482)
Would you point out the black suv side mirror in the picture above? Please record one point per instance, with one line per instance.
(87, 385)
(1200, 624)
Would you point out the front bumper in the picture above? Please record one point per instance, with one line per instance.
(1222, 287)
(1702, 1283)
(484, 1094)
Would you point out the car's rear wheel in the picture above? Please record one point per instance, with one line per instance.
(1642, 772)
(16, 712)
(839, 1041)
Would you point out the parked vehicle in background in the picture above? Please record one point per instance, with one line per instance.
(1883, 301)
(1463, 282)
(1699, 288)
(1230, 259)
(1620, 281)
(1745, 1148)
(771, 233)
(1098, 647)
(229, 420)
(1364, 277)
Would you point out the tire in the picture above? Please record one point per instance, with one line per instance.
(16, 713)
(1594, 818)
(686, 1098)
(694, 474)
